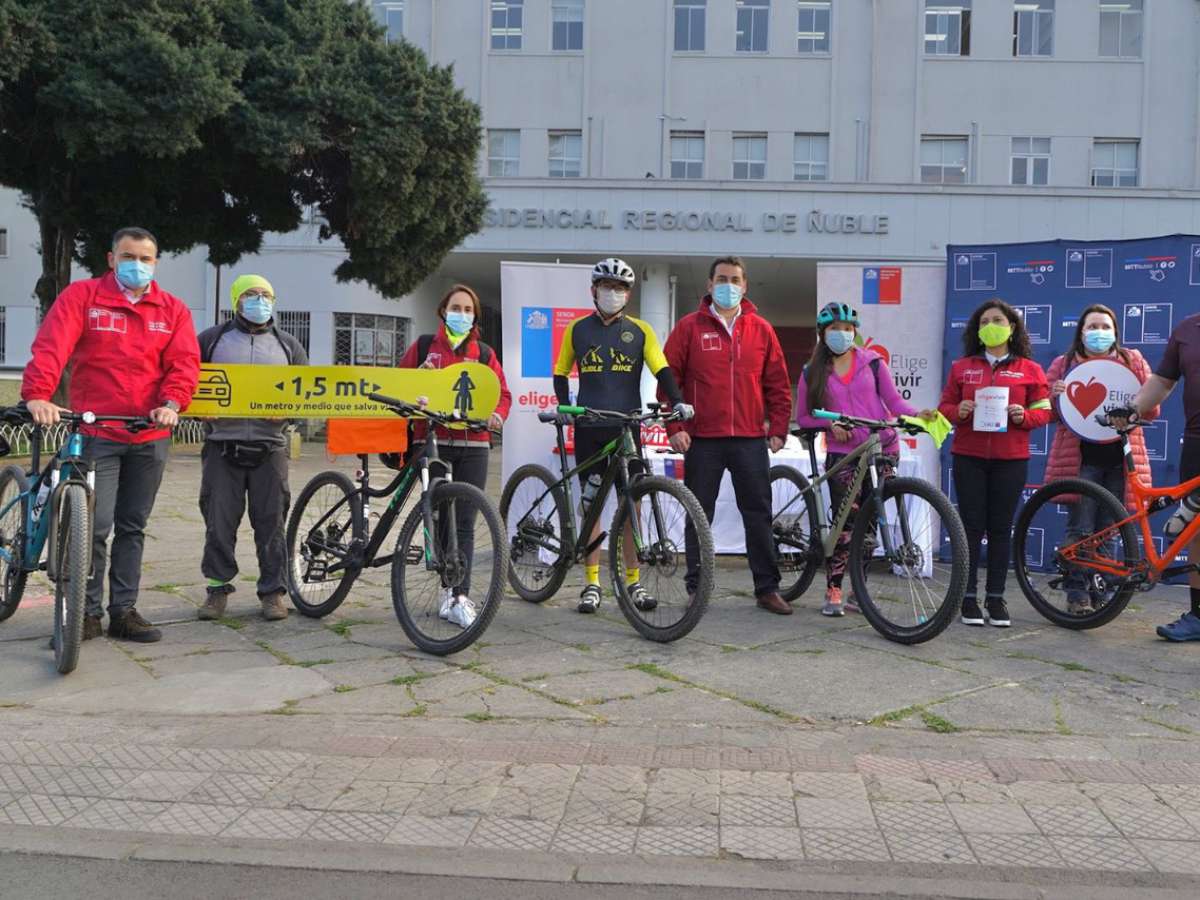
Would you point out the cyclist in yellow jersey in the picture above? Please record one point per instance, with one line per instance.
(610, 349)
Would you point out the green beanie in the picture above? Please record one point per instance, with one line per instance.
(243, 283)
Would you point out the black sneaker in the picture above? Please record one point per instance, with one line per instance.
(641, 600)
(589, 600)
(971, 613)
(130, 626)
(997, 612)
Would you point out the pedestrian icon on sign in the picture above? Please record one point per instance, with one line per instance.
(463, 403)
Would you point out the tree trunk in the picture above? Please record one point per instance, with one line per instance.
(58, 242)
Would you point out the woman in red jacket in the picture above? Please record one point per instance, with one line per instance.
(457, 341)
(1096, 337)
(991, 448)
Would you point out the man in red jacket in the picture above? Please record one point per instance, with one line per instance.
(729, 366)
(132, 350)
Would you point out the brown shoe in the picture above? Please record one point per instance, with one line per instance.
(772, 602)
(92, 628)
(273, 607)
(130, 626)
(214, 606)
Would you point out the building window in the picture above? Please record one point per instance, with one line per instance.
(566, 31)
(504, 153)
(689, 26)
(366, 340)
(566, 154)
(1031, 160)
(750, 157)
(810, 157)
(297, 323)
(1115, 164)
(392, 16)
(812, 30)
(1033, 28)
(944, 160)
(1121, 29)
(752, 21)
(3, 242)
(948, 28)
(687, 154)
(506, 24)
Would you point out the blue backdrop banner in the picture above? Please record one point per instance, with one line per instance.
(1151, 284)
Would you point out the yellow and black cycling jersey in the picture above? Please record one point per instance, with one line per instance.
(610, 359)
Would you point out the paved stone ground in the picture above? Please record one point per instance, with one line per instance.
(985, 754)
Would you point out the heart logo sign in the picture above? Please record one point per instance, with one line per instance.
(1086, 397)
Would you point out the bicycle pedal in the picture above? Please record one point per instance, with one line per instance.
(595, 545)
(414, 555)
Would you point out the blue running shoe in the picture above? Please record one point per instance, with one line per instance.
(1185, 628)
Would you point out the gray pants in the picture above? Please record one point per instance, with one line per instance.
(127, 480)
(224, 489)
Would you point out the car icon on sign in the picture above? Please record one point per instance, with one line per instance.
(214, 385)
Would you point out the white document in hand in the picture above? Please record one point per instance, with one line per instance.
(991, 409)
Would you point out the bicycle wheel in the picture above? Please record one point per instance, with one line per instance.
(325, 533)
(14, 508)
(536, 526)
(665, 508)
(73, 555)
(913, 591)
(465, 522)
(795, 529)
(1109, 595)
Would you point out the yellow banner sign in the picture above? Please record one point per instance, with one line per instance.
(322, 392)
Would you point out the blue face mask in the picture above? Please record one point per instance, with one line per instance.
(134, 274)
(256, 309)
(727, 296)
(1098, 341)
(459, 322)
(838, 341)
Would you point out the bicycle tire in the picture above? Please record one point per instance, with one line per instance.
(862, 537)
(556, 571)
(696, 606)
(447, 492)
(1116, 509)
(801, 560)
(73, 533)
(12, 536)
(302, 557)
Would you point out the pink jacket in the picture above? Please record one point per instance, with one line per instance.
(1065, 456)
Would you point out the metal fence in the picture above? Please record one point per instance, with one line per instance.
(188, 431)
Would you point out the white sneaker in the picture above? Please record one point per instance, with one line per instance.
(447, 602)
(461, 612)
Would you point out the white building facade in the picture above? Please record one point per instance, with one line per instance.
(785, 131)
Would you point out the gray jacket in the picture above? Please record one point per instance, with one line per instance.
(233, 342)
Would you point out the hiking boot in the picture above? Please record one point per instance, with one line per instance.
(273, 607)
(589, 599)
(641, 600)
(129, 625)
(214, 605)
(997, 612)
(93, 627)
(971, 613)
(833, 602)
(772, 602)
(1185, 628)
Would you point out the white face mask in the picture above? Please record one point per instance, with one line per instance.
(611, 301)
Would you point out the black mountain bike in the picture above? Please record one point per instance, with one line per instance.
(657, 513)
(452, 539)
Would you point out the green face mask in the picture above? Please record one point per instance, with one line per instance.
(994, 335)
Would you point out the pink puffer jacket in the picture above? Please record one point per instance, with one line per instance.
(1065, 456)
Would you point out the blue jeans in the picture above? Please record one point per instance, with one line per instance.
(1087, 518)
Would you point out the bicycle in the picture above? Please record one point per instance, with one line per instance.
(545, 543)
(1109, 563)
(922, 540)
(441, 544)
(52, 506)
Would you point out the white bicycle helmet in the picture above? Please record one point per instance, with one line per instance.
(613, 269)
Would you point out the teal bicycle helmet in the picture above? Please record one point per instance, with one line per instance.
(837, 312)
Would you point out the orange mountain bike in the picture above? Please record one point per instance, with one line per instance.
(1109, 565)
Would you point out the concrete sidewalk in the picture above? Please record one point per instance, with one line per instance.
(1019, 757)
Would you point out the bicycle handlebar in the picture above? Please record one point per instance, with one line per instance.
(638, 417)
(19, 415)
(408, 410)
(872, 424)
(1128, 413)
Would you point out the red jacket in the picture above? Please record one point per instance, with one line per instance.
(736, 383)
(1026, 383)
(1066, 457)
(441, 355)
(126, 358)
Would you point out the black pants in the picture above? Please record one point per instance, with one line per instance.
(988, 492)
(127, 480)
(749, 468)
(469, 465)
(224, 491)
